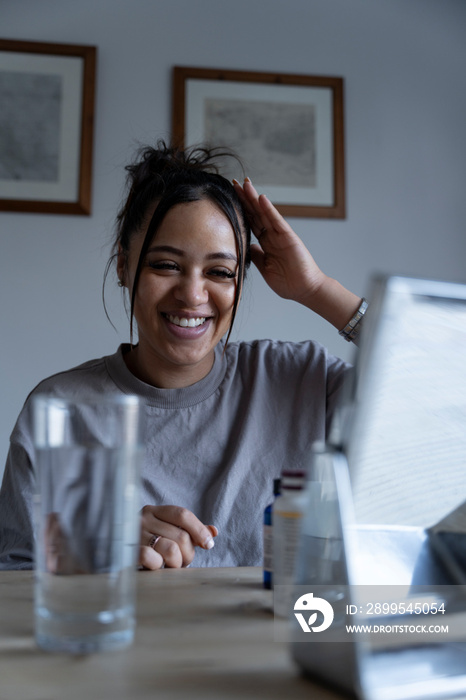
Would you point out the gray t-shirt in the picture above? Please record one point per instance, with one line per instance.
(213, 447)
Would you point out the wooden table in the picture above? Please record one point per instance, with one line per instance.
(201, 633)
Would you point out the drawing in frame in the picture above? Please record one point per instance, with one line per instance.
(288, 131)
(46, 124)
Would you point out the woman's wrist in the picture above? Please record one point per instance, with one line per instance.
(333, 302)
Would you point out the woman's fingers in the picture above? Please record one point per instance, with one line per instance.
(274, 218)
(167, 521)
(213, 530)
(265, 219)
(250, 201)
(258, 257)
(172, 533)
(150, 559)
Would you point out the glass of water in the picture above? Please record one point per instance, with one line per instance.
(88, 455)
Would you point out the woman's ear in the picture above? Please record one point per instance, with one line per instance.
(122, 260)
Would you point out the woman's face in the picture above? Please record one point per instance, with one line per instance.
(185, 293)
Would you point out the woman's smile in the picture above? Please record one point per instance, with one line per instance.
(185, 322)
(186, 327)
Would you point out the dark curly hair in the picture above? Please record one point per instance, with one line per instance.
(167, 176)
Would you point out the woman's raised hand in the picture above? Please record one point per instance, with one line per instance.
(282, 258)
(286, 264)
(169, 535)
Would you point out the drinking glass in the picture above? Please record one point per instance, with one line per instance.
(88, 455)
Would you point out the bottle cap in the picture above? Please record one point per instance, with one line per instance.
(293, 479)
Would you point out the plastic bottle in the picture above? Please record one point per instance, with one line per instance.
(287, 513)
(321, 559)
(268, 538)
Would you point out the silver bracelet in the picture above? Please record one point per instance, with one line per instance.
(351, 331)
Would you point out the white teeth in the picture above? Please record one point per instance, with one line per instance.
(186, 322)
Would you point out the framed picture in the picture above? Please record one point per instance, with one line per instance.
(286, 129)
(46, 127)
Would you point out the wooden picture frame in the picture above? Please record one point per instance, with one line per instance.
(47, 94)
(291, 125)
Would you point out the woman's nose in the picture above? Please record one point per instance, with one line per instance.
(192, 290)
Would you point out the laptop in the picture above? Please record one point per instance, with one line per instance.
(397, 460)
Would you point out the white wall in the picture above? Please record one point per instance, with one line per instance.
(404, 67)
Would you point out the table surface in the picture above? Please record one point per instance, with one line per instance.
(201, 633)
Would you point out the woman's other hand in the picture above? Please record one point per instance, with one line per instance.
(281, 257)
(169, 535)
(287, 265)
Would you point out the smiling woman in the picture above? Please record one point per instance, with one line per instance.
(223, 418)
(164, 177)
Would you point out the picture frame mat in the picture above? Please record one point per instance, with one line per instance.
(198, 91)
(71, 70)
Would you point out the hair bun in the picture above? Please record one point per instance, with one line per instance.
(163, 159)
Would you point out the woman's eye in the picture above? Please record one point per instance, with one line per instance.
(162, 265)
(223, 274)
